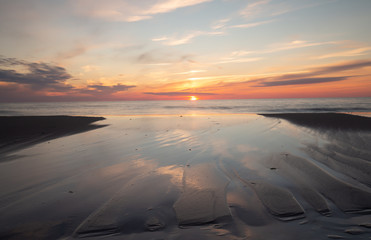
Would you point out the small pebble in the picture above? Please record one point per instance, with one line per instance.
(335, 237)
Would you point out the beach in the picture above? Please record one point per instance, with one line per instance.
(192, 176)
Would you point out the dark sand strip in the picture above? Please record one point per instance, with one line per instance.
(279, 201)
(135, 208)
(346, 197)
(324, 121)
(304, 187)
(23, 131)
(351, 166)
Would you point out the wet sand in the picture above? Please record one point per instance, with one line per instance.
(21, 131)
(285, 176)
(327, 121)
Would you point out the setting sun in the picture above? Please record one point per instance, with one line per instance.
(193, 98)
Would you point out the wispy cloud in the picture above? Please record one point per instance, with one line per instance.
(295, 45)
(241, 53)
(240, 56)
(174, 41)
(130, 11)
(219, 28)
(238, 60)
(161, 57)
(250, 25)
(254, 8)
(171, 5)
(259, 9)
(222, 23)
(349, 53)
(191, 72)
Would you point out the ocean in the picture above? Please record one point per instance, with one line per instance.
(116, 108)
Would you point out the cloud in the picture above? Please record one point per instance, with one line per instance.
(239, 56)
(349, 53)
(39, 81)
(129, 11)
(295, 45)
(312, 76)
(171, 5)
(38, 75)
(238, 60)
(220, 24)
(190, 72)
(180, 93)
(302, 81)
(158, 57)
(343, 67)
(241, 53)
(267, 8)
(174, 41)
(254, 8)
(250, 25)
(104, 90)
(219, 30)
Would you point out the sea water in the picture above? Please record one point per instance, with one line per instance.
(188, 107)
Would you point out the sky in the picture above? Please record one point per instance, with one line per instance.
(95, 50)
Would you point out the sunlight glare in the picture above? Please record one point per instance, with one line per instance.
(193, 98)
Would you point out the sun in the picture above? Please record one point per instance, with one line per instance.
(193, 98)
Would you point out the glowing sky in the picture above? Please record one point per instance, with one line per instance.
(68, 50)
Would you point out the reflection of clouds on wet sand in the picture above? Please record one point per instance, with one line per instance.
(174, 177)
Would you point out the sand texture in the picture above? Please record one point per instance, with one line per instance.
(279, 176)
(22, 131)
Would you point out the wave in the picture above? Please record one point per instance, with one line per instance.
(249, 109)
(187, 107)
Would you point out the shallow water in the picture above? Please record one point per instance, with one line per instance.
(205, 177)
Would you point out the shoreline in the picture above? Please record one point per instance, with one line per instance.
(23, 131)
(18, 132)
